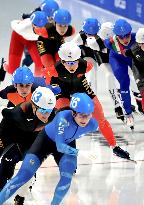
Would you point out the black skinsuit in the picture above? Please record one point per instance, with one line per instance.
(52, 44)
(17, 133)
(137, 55)
(72, 82)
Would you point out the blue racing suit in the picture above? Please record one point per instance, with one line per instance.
(119, 64)
(55, 139)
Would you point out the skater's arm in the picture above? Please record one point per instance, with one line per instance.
(89, 66)
(78, 40)
(128, 53)
(27, 15)
(4, 93)
(60, 137)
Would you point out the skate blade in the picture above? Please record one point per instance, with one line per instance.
(131, 160)
(128, 160)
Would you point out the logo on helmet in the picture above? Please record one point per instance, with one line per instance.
(70, 55)
(50, 102)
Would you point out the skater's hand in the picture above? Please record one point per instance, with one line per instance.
(55, 89)
(121, 153)
(2, 70)
(2, 62)
(25, 16)
(92, 43)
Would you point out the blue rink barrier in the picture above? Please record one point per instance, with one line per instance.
(132, 9)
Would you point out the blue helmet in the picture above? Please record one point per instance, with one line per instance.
(91, 26)
(49, 7)
(122, 27)
(39, 18)
(82, 103)
(22, 75)
(62, 16)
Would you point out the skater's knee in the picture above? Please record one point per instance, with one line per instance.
(29, 166)
(68, 165)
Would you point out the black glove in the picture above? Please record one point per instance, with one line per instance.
(25, 16)
(121, 153)
(2, 71)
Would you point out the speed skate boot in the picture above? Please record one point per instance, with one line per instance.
(130, 121)
(138, 98)
(133, 108)
(119, 113)
(139, 104)
(19, 200)
(115, 96)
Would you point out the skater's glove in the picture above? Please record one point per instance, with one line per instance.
(2, 71)
(121, 153)
(92, 43)
(25, 16)
(55, 89)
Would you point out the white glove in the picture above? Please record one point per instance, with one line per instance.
(24, 28)
(92, 43)
(106, 30)
(78, 40)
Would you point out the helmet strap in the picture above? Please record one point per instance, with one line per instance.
(36, 107)
(74, 113)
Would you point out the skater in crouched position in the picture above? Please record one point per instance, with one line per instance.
(19, 128)
(90, 39)
(56, 33)
(69, 75)
(58, 138)
(22, 87)
(24, 35)
(136, 52)
(47, 6)
(122, 40)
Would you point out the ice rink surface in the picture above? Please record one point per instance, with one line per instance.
(101, 178)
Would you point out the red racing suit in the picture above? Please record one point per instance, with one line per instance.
(23, 36)
(76, 82)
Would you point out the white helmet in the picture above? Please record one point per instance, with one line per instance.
(140, 35)
(106, 30)
(69, 51)
(44, 98)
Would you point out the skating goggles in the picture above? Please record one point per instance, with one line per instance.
(125, 36)
(71, 62)
(90, 34)
(44, 111)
